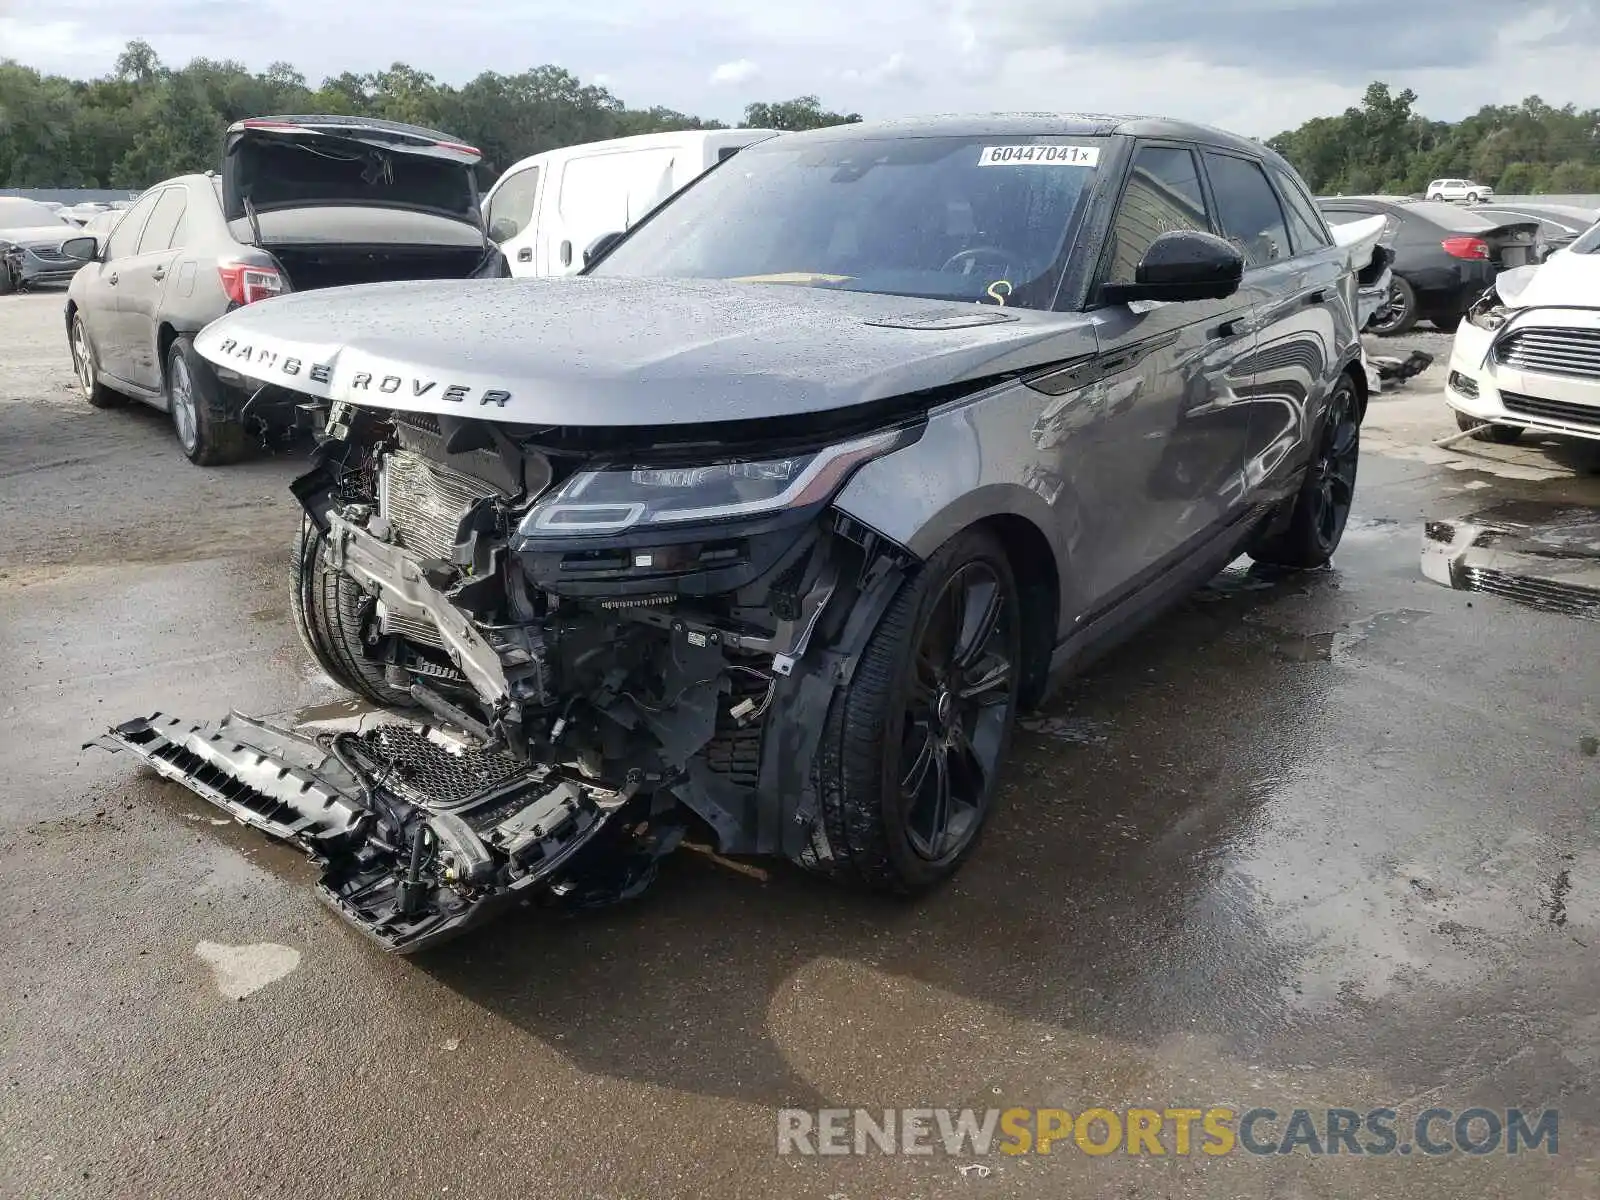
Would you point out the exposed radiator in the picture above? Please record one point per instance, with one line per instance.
(425, 502)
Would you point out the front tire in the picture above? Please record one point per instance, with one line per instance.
(1322, 506)
(8, 281)
(1472, 197)
(332, 615)
(911, 751)
(87, 367)
(193, 401)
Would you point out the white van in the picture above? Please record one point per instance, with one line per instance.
(546, 209)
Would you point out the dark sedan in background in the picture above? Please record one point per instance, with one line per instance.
(302, 202)
(1445, 256)
(31, 234)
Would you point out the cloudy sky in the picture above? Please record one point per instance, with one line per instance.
(1256, 66)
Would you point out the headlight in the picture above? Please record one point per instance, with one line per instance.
(619, 499)
(1488, 315)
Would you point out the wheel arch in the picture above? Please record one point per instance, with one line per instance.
(166, 334)
(1033, 566)
(1358, 379)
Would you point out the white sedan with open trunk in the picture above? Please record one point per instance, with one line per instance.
(1528, 354)
(302, 202)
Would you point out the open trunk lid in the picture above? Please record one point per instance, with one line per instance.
(276, 163)
(1514, 244)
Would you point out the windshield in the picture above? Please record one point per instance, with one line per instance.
(23, 214)
(982, 219)
(1589, 243)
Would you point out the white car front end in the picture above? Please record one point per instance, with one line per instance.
(1529, 354)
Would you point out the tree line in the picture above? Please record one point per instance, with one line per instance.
(146, 121)
(1385, 146)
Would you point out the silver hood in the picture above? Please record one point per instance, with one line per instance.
(614, 351)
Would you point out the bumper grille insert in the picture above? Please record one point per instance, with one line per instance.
(1553, 351)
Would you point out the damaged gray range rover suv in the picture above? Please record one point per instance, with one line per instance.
(764, 526)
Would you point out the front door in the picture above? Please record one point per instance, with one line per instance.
(100, 297)
(1161, 463)
(512, 219)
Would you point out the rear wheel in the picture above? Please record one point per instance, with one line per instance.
(911, 752)
(194, 400)
(1399, 313)
(1322, 506)
(1488, 431)
(333, 616)
(1437, 196)
(8, 281)
(87, 368)
(1472, 197)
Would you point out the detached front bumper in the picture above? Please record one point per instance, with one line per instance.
(421, 835)
(1554, 389)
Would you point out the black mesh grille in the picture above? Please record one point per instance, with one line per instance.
(415, 767)
(1552, 410)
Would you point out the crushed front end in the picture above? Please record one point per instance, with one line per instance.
(588, 642)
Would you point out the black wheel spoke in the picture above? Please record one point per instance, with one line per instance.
(988, 681)
(981, 605)
(926, 749)
(930, 806)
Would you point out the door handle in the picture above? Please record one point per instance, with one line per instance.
(1226, 330)
(525, 254)
(113, 280)
(159, 273)
(566, 254)
(1319, 296)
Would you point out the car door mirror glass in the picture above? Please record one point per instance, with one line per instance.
(1182, 265)
(83, 249)
(503, 229)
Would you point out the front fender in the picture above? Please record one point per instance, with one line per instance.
(976, 460)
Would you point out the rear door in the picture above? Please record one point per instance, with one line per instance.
(1160, 454)
(1296, 276)
(144, 281)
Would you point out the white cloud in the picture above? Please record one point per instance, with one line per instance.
(1255, 66)
(741, 70)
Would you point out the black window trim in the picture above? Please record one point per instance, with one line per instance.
(1283, 179)
(1260, 165)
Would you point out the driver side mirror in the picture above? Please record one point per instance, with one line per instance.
(503, 229)
(601, 246)
(1182, 265)
(83, 249)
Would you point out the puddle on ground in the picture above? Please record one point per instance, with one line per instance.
(1332, 645)
(1540, 555)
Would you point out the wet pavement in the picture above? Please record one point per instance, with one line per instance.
(1323, 840)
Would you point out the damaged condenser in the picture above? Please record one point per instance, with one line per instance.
(564, 673)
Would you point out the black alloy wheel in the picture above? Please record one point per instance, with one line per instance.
(1333, 471)
(957, 712)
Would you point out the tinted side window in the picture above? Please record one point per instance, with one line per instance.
(125, 237)
(164, 221)
(1163, 195)
(1248, 209)
(513, 202)
(1305, 227)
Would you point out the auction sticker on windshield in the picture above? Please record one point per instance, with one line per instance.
(1038, 155)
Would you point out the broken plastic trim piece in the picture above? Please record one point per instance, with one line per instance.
(424, 868)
